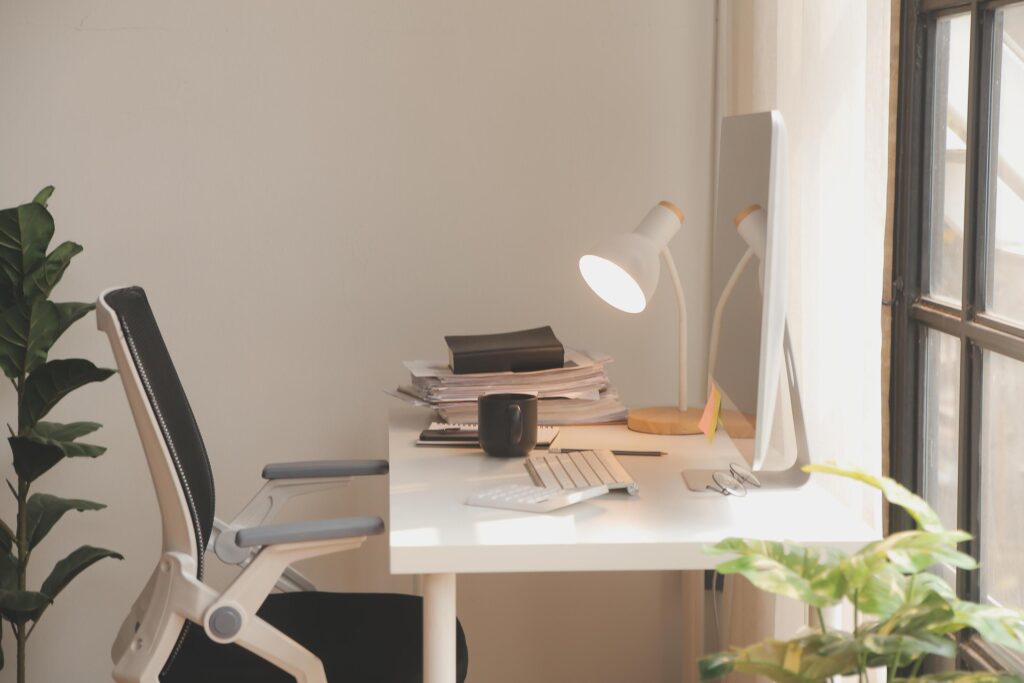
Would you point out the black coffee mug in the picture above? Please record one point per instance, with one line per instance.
(507, 424)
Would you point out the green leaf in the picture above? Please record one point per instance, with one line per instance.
(45, 510)
(8, 572)
(71, 566)
(894, 492)
(806, 574)
(926, 585)
(800, 660)
(33, 459)
(926, 615)
(913, 646)
(964, 677)
(44, 195)
(68, 313)
(73, 449)
(6, 539)
(715, 665)
(882, 593)
(910, 552)
(41, 281)
(26, 335)
(45, 387)
(872, 649)
(56, 431)
(21, 606)
(63, 435)
(25, 233)
(1000, 625)
(915, 551)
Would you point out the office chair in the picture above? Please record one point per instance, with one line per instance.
(180, 628)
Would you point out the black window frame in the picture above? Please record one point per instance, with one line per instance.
(913, 312)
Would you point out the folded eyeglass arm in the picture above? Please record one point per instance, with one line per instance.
(284, 481)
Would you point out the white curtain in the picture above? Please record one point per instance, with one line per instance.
(825, 67)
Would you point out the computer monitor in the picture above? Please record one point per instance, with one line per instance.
(749, 352)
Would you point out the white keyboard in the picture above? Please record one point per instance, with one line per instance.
(578, 469)
(532, 498)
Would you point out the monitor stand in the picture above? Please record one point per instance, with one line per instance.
(790, 478)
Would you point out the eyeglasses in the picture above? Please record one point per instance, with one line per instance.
(734, 481)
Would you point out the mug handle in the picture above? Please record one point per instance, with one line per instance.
(515, 427)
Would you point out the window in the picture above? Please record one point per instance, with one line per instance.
(958, 280)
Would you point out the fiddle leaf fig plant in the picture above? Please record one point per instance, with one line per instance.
(30, 324)
(903, 613)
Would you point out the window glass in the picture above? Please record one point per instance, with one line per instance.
(1006, 272)
(942, 429)
(1002, 481)
(949, 157)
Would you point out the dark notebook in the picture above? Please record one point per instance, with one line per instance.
(523, 351)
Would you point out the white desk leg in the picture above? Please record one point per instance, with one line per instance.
(693, 624)
(439, 628)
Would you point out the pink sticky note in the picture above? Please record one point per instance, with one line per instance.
(709, 419)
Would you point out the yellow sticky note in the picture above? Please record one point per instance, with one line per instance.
(709, 420)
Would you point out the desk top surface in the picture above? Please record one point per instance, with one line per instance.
(666, 526)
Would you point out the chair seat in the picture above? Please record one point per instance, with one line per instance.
(359, 637)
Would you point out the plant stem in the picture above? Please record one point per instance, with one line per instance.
(821, 619)
(895, 664)
(21, 657)
(856, 612)
(917, 667)
(23, 551)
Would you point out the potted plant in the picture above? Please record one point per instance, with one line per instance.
(30, 324)
(902, 612)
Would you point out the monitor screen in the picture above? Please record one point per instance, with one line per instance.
(748, 284)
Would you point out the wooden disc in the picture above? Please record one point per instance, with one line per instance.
(664, 420)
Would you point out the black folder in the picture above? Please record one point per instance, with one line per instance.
(522, 351)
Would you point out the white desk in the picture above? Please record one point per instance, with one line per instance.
(665, 527)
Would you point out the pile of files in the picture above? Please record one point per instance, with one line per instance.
(576, 393)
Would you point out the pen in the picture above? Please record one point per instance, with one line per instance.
(614, 452)
(638, 452)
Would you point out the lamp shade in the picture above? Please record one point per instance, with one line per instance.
(624, 269)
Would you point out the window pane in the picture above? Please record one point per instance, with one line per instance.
(1006, 295)
(949, 156)
(941, 427)
(1002, 480)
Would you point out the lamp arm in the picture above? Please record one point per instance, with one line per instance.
(716, 321)
(681, 301)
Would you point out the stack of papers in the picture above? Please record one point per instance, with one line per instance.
(577, 393)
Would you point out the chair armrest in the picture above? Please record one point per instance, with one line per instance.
(313, 530)
(316, 469)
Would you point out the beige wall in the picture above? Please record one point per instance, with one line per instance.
(313, 191)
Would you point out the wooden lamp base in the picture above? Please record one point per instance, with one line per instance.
(665, 420)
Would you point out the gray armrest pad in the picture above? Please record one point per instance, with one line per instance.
(314, 530)
(310, 469)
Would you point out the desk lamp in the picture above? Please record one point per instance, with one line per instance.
(624, 272)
